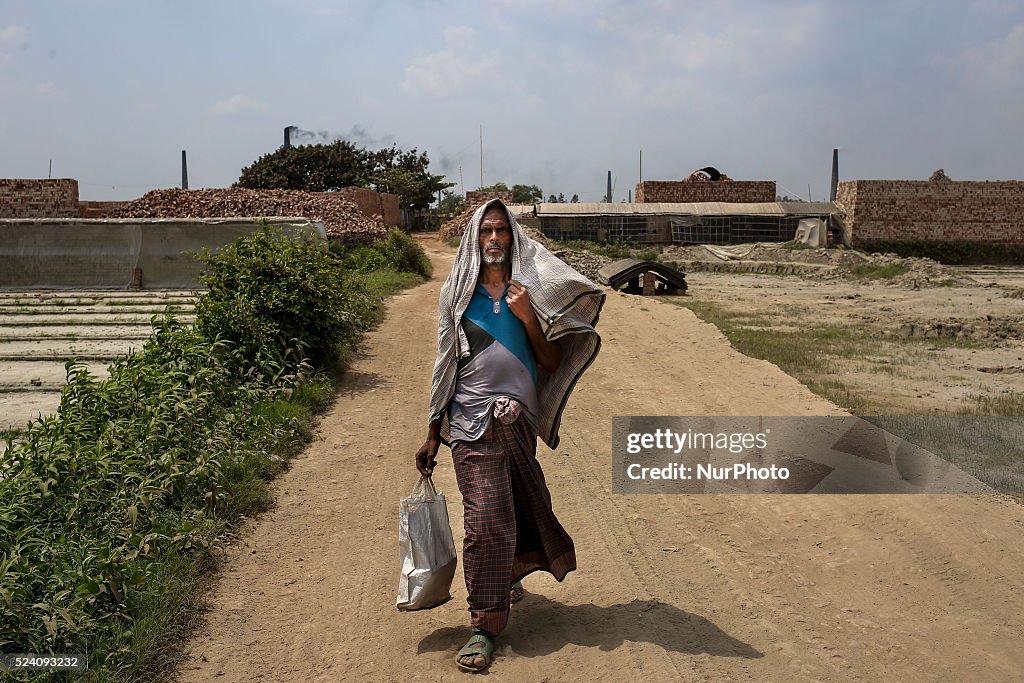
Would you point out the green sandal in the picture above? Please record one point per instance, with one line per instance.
(479, 644)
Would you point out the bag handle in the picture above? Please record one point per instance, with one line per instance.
(424, 483)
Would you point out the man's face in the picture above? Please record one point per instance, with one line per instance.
(495, 238)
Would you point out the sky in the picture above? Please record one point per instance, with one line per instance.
(564, 90)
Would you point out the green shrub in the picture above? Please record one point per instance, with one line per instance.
(279, 300)
(109, 508)
(398, 251)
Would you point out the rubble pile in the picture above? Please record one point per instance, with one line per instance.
(341, 218)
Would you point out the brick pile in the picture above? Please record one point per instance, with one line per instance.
(933, 210)
(38, 198)
(454, 228)
(477, 197)
(731, 191)
(343, 221)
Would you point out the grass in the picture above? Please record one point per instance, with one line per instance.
(817, 355)
(870, 271)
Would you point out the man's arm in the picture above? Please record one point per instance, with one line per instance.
(426, 456)
(548, 353)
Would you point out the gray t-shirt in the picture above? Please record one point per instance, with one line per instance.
(500, 363)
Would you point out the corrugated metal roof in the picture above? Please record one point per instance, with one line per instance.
(654, 209)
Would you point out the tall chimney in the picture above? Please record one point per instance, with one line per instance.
(608, 197)
(835, 175)
(184, 171)
(288, 136)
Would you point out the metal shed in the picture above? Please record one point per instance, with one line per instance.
(663, 223)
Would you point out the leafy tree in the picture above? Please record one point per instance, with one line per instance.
(552, 199)
(405, 174)
(561, 198)
(450, 203)
(575, 199)
(314, 168)
(496, 187)
(526, 194)
(330, 167)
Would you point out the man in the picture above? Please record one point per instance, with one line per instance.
(515, 333)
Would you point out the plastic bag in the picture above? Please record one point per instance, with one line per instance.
(427, 549)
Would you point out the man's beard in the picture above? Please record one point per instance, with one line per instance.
(495, 259)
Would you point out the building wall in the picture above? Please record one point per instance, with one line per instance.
(42, 198)
(735, 191)
(373, 203)
(906, 210)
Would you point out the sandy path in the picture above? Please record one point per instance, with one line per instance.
(698, 587)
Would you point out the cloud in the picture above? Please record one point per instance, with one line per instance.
(49, 91)
(13, 34)
(237, 104)
(994, 66)
(449, 70)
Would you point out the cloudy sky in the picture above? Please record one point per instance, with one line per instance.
(565, 90)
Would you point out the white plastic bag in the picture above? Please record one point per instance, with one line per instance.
(427, 549)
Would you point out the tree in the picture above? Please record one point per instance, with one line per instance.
(526, 194)
(313, 168)
(552, 199)
(496, 187)
(575, 199)
(330, 167)
(450, 203)
(406, 174)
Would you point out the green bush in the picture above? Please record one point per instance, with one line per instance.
(398, 251)
(110, 507)
(279, 300)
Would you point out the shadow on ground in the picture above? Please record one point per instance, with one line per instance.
(540, 626)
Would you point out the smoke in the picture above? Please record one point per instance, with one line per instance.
(356, 135)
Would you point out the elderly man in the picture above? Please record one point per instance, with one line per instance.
(515, 333)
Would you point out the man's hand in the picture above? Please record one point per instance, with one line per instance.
(548, 353)
(426, 457)
(518, 301)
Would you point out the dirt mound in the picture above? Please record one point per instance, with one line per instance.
(985, 328)
(342, 219)
(828, 264)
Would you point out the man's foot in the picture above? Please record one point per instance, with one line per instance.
(477, 654)
(517, 591)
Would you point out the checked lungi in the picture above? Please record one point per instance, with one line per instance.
(511, 530)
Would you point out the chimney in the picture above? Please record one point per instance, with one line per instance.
(835, 175)
(288, 136)
(608, 197)
(184, 171)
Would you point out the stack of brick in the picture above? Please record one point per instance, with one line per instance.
(38, 198)
(343, 221)
(937, 210)
(373, 203)
(476, 198)
(454, 228)
(733, 191)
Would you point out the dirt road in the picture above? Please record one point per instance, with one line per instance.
(669, 587)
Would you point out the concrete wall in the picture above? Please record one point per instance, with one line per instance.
(82, 253)
(906, 210)
(38, 198)
(735, 191)
(373, 203)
